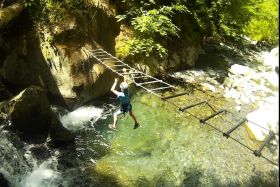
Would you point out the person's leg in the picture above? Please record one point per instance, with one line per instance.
(115, 119)
(133, 116)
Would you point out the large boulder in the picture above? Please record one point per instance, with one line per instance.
(32, 118)
(30, 113)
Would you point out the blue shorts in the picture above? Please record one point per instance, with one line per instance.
(124, 109)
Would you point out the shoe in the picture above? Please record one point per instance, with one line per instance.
(136, 125)
(112, 127)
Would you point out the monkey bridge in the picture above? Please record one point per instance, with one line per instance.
(156, 87)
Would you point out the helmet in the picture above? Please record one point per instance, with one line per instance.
(123, 86)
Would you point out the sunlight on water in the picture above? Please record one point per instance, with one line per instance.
(173, 149)
(77, 119)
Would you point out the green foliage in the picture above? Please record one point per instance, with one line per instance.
(264, 23)
(55, 11)
(145, 46)
(222, 18)
(154, 21)
(152, 28)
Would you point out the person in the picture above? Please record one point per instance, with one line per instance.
(125, 105)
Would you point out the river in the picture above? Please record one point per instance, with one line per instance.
(171, 148)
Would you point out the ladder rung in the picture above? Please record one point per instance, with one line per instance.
(161, 88)
(268, 138)
(99, 49)
(101, 57)
(117, 70)
(99, 53)
(190, 106)
(130, 73)
(226, 134)
(149, 82)
(118, 65)
(105, 58)
(172, 96)
(115, 61)
(211, 116)
(141, 77)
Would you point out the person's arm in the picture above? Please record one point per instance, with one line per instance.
(125, 77)
(113, 89)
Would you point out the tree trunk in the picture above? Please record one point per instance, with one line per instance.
(10, 12)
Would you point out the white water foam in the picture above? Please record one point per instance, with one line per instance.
(77, 119)
(45, 175)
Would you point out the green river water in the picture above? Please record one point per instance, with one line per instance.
(173, 149)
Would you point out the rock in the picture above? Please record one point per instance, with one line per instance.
(239, 69)
(206, 86)
(59, 134)
(4, 92)
(263, 117)
(30, 113)
(177, 59)
(15, 70)
(3, 181)
(271, 59)
(9, 13)
(32, 118)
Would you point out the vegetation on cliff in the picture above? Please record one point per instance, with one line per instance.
(153, 21)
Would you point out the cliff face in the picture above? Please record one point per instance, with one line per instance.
(49, 55)
(34, 51)
(78, 77)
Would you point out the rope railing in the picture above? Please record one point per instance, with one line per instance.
(102, 53)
